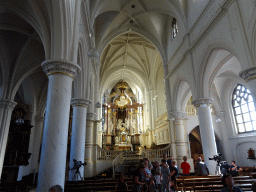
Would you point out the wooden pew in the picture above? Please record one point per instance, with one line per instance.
(95, 185)
(210, 183)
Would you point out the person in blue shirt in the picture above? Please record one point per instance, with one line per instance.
(234, 169)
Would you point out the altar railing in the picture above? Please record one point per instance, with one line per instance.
(157, 154)
(103, 154)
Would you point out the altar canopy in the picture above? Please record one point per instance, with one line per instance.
(122, 119)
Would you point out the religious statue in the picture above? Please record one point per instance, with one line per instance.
(105, 127)
(129, 139)
(251, 154)
(119, 124)
(116, 140)
(110, 127)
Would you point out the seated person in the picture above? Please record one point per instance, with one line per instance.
(56, 188)
(121, 185)
(234, 169)
(201, 168)
(228, 184)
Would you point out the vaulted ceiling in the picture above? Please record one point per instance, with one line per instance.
(132, 38)
(130, 57)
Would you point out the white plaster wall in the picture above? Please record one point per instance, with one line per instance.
(101, 166)
(241, 146)
(195, 8)
(192, 122)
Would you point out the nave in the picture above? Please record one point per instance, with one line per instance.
(91, 79)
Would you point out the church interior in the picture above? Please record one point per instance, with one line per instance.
(99, 81)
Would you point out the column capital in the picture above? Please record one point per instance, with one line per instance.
(248, 74)
(7, 104)
(178, 115)
(90, 116)
(60, 67)
(39, 118)
(202, 101)
(80, 102)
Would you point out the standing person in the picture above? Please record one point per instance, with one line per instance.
(165, 176)
(174, 174)
(165, 156)
(228, 184)
(185, 166)
(146, 174)
(234, 169)
(157, 176)
(137, 181)
(201, 168)
(150, 166)
(169, 162)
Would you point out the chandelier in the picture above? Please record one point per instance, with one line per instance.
(122, 100)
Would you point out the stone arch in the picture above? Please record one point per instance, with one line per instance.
(196, 143)
(39, 24)
(112, 79)
(182, 91)
(211, 66)
(21, 78)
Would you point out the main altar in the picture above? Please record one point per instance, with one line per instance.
(122, 120)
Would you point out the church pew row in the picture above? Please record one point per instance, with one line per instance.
(15, 187)
(95, 185)
(210, 183)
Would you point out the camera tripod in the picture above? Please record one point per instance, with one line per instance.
(76, 174)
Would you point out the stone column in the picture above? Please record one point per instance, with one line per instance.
(97, 124)
(6, 108)
(207, 132)
(37, 143)
(181, 144)
(54, 145)
(78, 133)
(168, 104)
(249, 76)
(225, 136)
(88, 145)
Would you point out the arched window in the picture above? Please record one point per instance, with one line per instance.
(244, 109)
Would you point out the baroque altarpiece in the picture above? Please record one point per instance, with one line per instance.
(122, 119)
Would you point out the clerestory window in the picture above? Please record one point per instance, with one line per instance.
(174, 28)
(244, 109)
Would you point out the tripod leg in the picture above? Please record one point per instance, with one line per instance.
(74, 177)
(80, 175)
